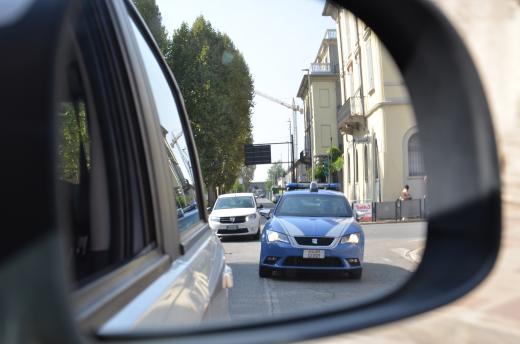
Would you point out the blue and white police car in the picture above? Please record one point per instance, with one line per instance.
(312, 227)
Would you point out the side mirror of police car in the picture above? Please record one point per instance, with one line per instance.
(265, 213)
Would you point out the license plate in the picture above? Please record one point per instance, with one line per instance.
(314, 254)
(232, 227)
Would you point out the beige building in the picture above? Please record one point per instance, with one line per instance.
(381, 147)
(319, 90)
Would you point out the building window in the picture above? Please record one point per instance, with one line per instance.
(350, 75)
(376, 160)
(415, 158)
(356, 167)
(324, 98)
(326, 136)
(365, 163)
(348, 168)
(370, 72)
(349, 40)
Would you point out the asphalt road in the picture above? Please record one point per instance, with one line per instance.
(386, 267)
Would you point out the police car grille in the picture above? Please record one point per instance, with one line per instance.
(320, 241)
(311, 262)
(233, 219)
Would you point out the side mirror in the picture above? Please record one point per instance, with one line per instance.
(265, 213)
(260, 206)
(209, 209)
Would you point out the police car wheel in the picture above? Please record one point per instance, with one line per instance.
(264, 272)
(355, 274)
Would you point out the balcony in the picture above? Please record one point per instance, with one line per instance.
(350, 117)
(323, 68)
(330, 34)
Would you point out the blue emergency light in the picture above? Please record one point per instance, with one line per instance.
(306, 186)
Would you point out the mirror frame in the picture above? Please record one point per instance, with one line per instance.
(448, 98)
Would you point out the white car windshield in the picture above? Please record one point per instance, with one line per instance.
(234, 202)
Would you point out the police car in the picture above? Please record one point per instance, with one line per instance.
(312, 228)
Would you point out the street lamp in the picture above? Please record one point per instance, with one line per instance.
(312, 119)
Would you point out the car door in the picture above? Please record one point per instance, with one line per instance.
(198, 275)
(125, 161)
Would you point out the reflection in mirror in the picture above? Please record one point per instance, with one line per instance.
(331, 106)
(178, 160)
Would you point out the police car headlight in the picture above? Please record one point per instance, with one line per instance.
(250, 217)
(214, 218)
(350, 239)
(273, 236)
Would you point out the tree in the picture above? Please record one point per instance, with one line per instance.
(218, 92)
(329, 165)
(247, 173)
(153, 19)
(275, 171)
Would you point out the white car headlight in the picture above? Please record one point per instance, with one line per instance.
(250, 217)
(350, 239)
(273, 236)
(214, 218)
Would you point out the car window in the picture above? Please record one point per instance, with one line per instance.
(234, 202)
(177, 154)
(100, 198)
(313, 206)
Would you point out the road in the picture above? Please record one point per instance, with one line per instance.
(386, 267)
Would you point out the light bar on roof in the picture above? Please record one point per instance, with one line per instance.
(306, 186)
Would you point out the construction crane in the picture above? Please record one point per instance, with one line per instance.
(295, 109)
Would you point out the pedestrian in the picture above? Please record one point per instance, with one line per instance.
(405, 196)
(405, 193)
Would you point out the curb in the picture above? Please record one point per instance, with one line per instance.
(391, 221)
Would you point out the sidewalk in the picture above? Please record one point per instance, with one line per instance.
(489, 314)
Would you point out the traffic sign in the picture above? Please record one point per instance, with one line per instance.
(257, 154)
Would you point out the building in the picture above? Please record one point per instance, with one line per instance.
(319, 90)
(380, 141)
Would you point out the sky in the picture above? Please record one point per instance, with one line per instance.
(278, 39)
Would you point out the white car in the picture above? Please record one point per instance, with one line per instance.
(236, 214)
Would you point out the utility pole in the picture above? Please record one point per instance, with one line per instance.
(293, 171)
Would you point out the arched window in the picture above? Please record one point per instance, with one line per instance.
(415, 158)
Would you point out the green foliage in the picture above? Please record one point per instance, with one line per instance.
(247, 173)
(72, 130)
(237, 187)
(319, 173)
(218, 93)
(153, 19)
(275, 171)
(181, 201)
(330, 164)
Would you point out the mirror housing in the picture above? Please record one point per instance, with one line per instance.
(260, 206)
(266, 213)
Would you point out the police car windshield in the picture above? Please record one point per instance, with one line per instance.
(314, 205)
(234, 202)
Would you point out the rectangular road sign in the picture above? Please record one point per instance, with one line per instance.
(257, 154)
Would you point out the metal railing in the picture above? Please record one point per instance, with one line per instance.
(323, 68)
(397, 210)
